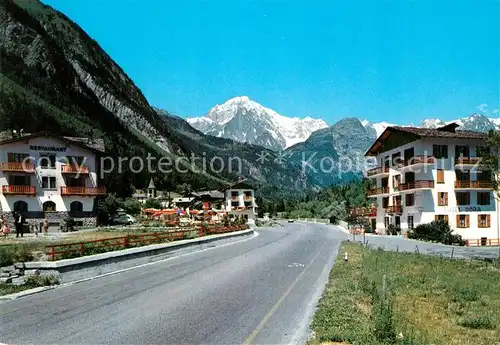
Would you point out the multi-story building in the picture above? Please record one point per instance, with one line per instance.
(48, 176)
(430, 174)
(240, 200)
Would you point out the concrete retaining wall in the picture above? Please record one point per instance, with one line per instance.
(94, 265)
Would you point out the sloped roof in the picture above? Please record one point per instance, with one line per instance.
(96, 145)
(214, 194)
(449, 131)
(151, 184)
(239, 185)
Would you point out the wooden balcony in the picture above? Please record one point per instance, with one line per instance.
(394, 209)
(376, 191)
(467, 160)
(363, 212)
(28, 168)
(83, 191)
(417, 160)
(235, 198)
(247, 198)
(421, 184)
(19, 190)
(473, 185)
(74, 169)
(377, 171)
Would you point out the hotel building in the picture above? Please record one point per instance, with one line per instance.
(429, 174)
(48, 176)
(240, 200)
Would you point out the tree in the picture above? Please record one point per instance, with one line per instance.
(152, 203)
(131, 206)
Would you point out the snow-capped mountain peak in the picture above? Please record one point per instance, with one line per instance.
(245, 120)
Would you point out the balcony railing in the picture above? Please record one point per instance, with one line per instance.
(377, 171)
(235, 198)
(85, 191)
(363, 212)
(19, 190)
(394, 209)
(18, 167)
(375, 191)
(474, 184)
(247, 198)
(467, 160)
(74, 169)
(416, 185)
(417, 160)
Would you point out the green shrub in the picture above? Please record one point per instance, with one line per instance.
(393, 230)
(436, 231)
(477, 322)
(37, 281)
(6, 256)
(23, 253)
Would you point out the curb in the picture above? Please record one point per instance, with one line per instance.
(194, 241)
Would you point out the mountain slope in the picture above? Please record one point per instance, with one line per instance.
(54, 77)
(247, 121)
(334, 154)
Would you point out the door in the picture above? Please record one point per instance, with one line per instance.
(397, 221)
(374, 224)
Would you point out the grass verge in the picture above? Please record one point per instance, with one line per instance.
(422, 300)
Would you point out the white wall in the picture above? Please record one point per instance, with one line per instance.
(241, 200)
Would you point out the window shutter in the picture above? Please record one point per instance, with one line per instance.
(467, 221)
(488, 219)
(445, 199)
(446, 218)
(458, 221)
(440, 176)
(436, 217)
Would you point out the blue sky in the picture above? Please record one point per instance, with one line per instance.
(397, 61)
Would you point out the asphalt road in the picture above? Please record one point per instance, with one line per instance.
(262, 291)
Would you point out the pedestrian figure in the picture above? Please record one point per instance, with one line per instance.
(45, 226)
(18, 223)
(4, 226)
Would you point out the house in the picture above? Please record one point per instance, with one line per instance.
(432, 174)
(182, 202)
(209, 199)
(240, 200)
(46, 175)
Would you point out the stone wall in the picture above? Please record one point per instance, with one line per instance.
(55, 219)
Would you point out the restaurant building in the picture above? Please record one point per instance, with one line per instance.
(48, 176)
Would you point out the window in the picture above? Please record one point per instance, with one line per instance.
(483, 198)
(410, 200)
(463, 198)
(442, 217)
(19, 180)
(48, 161)
(385, 202)
(386, 222)
(76, 206)
(410, 222)
(462, 175)
(396, 200)
(483, 220)
(440, 176)
(442, 199)
(408, 155)
(396, 159)
(440, 151)
(484, 175)
(20, 206)
(48, 182)
(49, 206)
(75, 182)
(16, 157)
(462, 151)
(462, 221)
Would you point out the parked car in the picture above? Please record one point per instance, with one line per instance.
(291, 221)
(123, 219)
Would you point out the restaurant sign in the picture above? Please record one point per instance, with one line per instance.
(47, 148)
